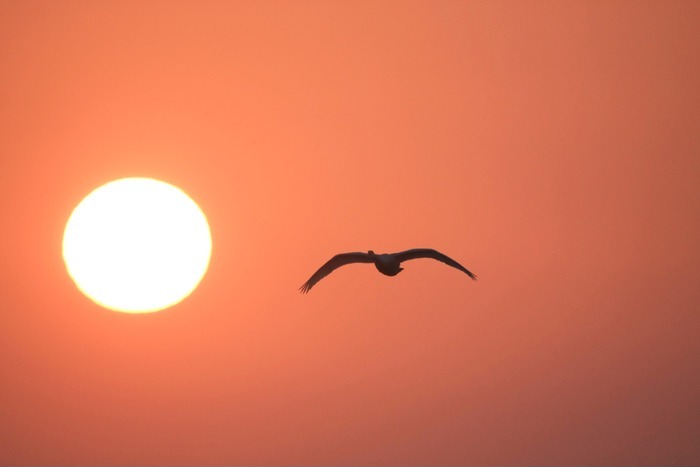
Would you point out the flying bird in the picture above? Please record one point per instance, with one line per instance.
(388, 264)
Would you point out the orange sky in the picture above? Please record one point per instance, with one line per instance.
(551, 147)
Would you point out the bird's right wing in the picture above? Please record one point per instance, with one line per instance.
(434, 254)
(333, 264)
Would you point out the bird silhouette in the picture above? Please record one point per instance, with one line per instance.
(388, 264)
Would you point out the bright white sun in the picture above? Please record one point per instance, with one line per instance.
(137, 245)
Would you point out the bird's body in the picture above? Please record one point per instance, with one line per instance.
(388, 264)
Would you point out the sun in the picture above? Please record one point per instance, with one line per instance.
(137, 245)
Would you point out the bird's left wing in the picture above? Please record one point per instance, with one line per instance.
(434, 254)
(334, 263)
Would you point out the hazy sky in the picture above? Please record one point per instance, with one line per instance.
(552, 147)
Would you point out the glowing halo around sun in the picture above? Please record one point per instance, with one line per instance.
(137, 245)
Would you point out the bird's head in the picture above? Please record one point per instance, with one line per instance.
(371, 253)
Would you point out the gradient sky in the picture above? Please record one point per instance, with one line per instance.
(552, 147)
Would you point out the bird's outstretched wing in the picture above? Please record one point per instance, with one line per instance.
(434, 254)
(334, 263)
